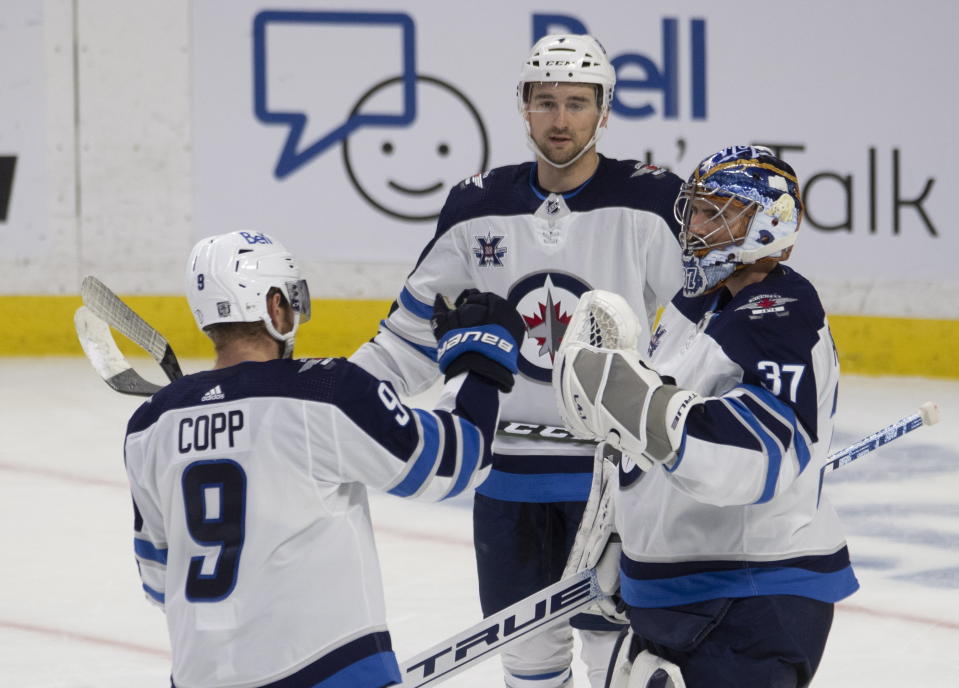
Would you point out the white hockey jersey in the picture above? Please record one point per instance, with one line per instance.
(740, 512)
(252, 526)
(500, 232)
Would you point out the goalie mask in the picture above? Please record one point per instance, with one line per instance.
(567, 58)
(740, 206)
(229, 276)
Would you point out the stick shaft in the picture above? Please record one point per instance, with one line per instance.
(487, 638)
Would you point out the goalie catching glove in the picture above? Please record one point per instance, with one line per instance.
(481, 332)
(606, 393)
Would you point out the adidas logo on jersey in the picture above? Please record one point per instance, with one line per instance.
(213, 395)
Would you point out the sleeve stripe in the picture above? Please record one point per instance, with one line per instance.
(787, 413)
(472, 452)
(414, 306)
(428, 351)
(773, 453)
(147, 550)
(422, 466)
(155, 594)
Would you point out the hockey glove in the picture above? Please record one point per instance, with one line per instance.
(481, 333)
(612, 396)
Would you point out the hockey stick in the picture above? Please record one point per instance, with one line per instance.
(928, 415)
(102, 351)
(540, 610)
(562, 599)
(104, 308)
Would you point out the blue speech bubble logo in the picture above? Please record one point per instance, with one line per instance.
(292, 156)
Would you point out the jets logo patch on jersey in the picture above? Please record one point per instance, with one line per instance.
(488, 250)
(546, 300)
(766, 304)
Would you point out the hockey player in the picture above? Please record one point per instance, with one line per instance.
(540, 234)
(252, 527)
(732, 560)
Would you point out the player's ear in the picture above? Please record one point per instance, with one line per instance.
(276, 307)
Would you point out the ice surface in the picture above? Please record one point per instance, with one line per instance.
(72, 613)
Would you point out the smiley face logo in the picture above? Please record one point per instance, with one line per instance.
(407, 172)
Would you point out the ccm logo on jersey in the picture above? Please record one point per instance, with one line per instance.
(474, 336)
(211, 431)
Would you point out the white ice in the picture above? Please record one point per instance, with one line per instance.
(72, 614)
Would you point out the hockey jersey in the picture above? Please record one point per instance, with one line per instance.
(739, 512)
(500, 232)
(252, 526)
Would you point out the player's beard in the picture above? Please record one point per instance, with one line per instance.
(559, 157)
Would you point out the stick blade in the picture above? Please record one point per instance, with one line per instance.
(102, 351)
(929, 412)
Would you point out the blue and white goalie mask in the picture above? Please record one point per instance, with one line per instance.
(740, 206)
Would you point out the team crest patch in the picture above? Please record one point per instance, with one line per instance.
(546, 301)
(488, 251)
(766, 304)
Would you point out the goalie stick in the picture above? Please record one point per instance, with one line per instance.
(560, 600)
(103, 309)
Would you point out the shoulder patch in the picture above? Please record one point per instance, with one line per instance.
(762, 305)
(308, 363)
(476, 180)
(643, 169)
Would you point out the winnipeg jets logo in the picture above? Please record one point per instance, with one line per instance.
(488, 251)
(548, 326)
(546, 300)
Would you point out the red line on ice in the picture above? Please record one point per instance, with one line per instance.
(397, 532)
(83, 637)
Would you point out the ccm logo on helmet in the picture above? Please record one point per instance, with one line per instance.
(474, 336)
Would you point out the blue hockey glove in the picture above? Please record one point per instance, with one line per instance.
(481, 333)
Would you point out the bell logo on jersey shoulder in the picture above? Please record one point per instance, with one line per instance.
(488, 251)
(256, 238)
(766, 304)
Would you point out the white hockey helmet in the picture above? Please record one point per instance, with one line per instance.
(567, 58)
(739, 184)
(229, 276)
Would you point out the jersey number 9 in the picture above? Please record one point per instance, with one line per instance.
(214, 495)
